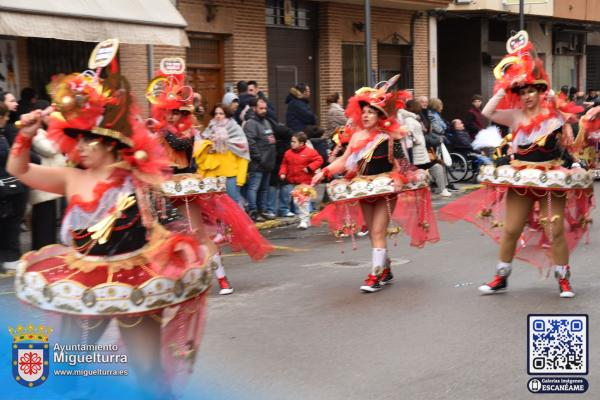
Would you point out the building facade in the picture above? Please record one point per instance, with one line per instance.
(563, 32)
(278, 43)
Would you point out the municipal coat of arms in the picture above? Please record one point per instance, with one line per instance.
(30, 354)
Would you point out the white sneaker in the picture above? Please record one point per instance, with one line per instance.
(11, 265)
(303, 225)
(362, 233)
(289, 214)
(445, 193)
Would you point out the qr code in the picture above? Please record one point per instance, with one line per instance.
(557, 344)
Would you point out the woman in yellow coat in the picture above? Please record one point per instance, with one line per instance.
(222, 150)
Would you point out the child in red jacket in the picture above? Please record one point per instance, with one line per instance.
(298, 167)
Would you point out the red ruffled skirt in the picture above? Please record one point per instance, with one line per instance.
(225, 216)
(412, 211)
(486, 208)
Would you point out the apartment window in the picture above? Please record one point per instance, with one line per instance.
(203, 51)
(396, 59)
(290, 13)
(354, 69)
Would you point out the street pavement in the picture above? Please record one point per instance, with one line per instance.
(298, 327)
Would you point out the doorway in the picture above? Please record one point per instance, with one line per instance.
(205, 70)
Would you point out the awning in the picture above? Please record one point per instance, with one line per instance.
(131, 21)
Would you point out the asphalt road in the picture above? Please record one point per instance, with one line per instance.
(298, 327)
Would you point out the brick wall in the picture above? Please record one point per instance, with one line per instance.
(421, 57)
(134, 65)
(335, 28)
(241, 24)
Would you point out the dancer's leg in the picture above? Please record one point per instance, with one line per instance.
(142, 338)
(517, 214)
(555, 229)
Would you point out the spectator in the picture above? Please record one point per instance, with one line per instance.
(564, 92)
(29, 102)
(437, 131)
(459, 138)
(421, 159)
(255, 91)
(592, 96)
(434, 115)
(475, 120)
(261, 143)
(460, 141)
(424, 103)
(222, 150)
(298, 167)
(13, 200)
(279, 197)
(43, 214)
(572, 91)
(336, 117)
(199, 110)
(299, 114)
(244, 99)
(9, 100)
(231, 101)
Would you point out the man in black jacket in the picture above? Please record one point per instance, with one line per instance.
(255, 91)
(299, 114)
(244, 97)
(262, 145)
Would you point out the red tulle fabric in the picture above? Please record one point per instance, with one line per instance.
(223, 215)
(533, 246)
(412, 211)
(181, 338)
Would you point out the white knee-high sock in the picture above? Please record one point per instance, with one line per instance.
(378, 260)
(219, 270)
(503, 268)
(561, 270)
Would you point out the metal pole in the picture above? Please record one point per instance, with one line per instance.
(370, 80)
(521, 15)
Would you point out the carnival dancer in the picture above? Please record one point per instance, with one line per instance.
(379, 186)
(118, 262)
(221, 152)
(200, 195)
(539, 175)
(587, 143)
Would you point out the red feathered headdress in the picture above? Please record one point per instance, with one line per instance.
(386, 103)
(519, 68)
(168, 91)
(89, 106)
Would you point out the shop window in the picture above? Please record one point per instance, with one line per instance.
(48, 57)
(290, 13)
(354, 69)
